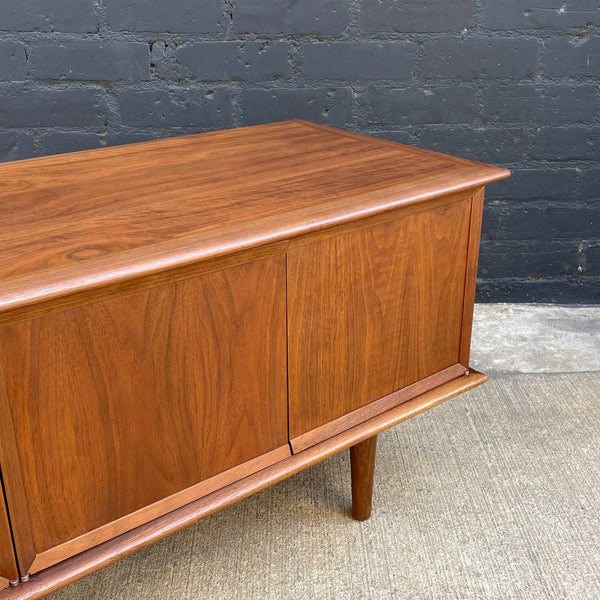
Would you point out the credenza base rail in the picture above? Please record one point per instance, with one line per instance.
(55, 577)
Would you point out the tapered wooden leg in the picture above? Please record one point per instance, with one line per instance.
(362, 463)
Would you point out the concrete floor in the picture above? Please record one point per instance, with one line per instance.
(535, 338)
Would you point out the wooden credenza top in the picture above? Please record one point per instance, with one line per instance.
(75, 222)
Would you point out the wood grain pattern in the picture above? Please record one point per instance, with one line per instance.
(88, 296)
(13, 481)
(471, 277)
(161, 507)
(362, 468)
(91, 560)
(95, 294)
(157, 509)
(88, 219)
(377, 407)
(373, 311)
(8, 563)
(145, 295)
(386, 216)
(124, 402)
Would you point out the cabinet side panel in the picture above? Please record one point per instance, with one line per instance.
(8, 563)
(374, 310)
(471, 275)
(119, 404)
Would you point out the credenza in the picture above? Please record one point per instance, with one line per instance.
(187, 321)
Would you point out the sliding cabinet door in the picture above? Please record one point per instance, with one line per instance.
(374, 310)
(132, 406)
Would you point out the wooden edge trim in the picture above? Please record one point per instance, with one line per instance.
(51, 285)
(314, 436)
(90, 295)
(156, 510)
(495, 173)
(383, 217)
(100, 556)
(136, 284)
(471, 275)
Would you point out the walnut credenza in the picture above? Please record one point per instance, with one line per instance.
(187, 321)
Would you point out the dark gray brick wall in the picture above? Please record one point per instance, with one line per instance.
(175, 106)
(515, 83)
(78, 16)
(507, 58)
(13, 61)
(90, 60)
(548, 104)
(327, 105)
(540, 14)
(39, 106)
(573, 57)
(325, 17)
(419, 106)
(429, 16)
(348, 61)
(226, 61)
(178, 16)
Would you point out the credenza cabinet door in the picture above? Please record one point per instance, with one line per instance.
(128, 402)
(373, 310)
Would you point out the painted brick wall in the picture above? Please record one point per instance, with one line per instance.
(513, 82)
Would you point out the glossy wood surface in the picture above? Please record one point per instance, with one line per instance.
(80, 221)
(471, 278)
(377, 407)
(14, 489)
(374, 310)
(122, 403)
(161, 507)
(77, 567)
(8, 563)
(362, 466)
(185, 322)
